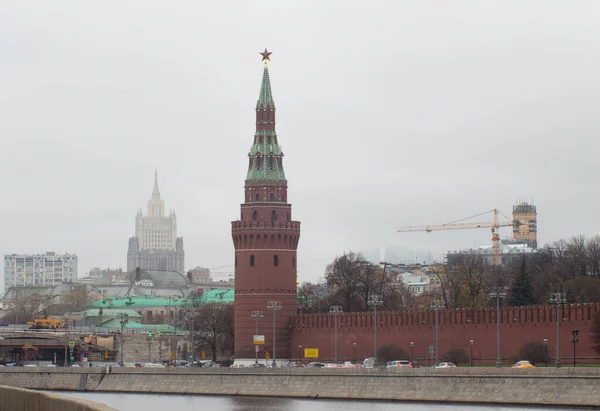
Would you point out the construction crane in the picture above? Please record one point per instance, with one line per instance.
(457, 225)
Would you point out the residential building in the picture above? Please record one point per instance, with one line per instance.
(156, 245)
(39, 270)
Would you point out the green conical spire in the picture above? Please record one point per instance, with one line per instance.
(265, 98)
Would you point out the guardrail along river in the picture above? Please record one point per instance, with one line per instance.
(136, 402)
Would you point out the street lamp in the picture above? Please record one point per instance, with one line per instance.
(498, 295)
(124, 320)
(374, 301)
(545, 352)
(436, 307)
(412, 352)
(274, 306)
(354, 352)
(471, 342)
(558, 299)
(575, 340)
(257, 315)
(335, 310)
(190, 317)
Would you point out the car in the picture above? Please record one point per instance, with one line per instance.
(523, 364)
(51, 365)
(446, 365)
(257, 366)
(75, 365)
(30, 365)
(296, 364)
(315, 365)
(399, 364)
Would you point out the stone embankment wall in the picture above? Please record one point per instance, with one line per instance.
(565, 387)
(19, 399)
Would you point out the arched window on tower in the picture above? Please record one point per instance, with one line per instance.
(258, 197)
(273, 217)
(255, 215)
(272, 197)
(252, 260)
(275, 260)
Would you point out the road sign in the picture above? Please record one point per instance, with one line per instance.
(258, 339)
(311, 353)
(257, 348)
(71, 344)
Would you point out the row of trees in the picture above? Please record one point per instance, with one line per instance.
(464, 281)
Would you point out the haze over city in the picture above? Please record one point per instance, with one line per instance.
(391, 114)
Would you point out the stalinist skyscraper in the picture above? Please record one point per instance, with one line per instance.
(156, 245)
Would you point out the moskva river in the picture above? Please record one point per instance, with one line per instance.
(137, 402)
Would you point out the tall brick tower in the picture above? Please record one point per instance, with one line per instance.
(265, 240)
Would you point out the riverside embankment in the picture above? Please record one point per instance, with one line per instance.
(541, 386)
(19, 399)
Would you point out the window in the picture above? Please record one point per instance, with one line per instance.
(272, 197)
(294, 262)
(275, 260)
(273, 216)
(254, 215)
(258, 197)
(252, 261)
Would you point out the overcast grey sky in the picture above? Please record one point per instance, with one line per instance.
(390, 113)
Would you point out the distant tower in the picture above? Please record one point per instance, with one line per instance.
(526, 214)
(156, 245)
(265, 239)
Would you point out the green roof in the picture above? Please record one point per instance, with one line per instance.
(137, 302)
(162, 328)
(111, 312)
(265, 98)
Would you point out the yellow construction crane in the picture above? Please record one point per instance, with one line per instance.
(457, 225)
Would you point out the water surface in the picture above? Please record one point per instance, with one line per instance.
(146, 402)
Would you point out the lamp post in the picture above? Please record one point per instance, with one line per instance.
(335, 310)
(374, 301)
(545, 352)
(471, 342)
(274, 306)
(354, 352)
(257, 315)
(124, 320)
(300, 351)
(558, 299)
(498, 295)
(575, 340)
(412, 352)
(436, 307)
(191, 318)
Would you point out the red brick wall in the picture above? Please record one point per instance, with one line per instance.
(518, 326)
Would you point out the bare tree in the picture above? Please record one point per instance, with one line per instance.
(343, 275)
(593, 255)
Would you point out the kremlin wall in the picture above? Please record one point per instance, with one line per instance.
(518, 326)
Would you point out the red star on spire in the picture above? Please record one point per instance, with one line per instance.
(265, 55)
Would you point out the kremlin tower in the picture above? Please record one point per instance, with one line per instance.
(265, 240)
